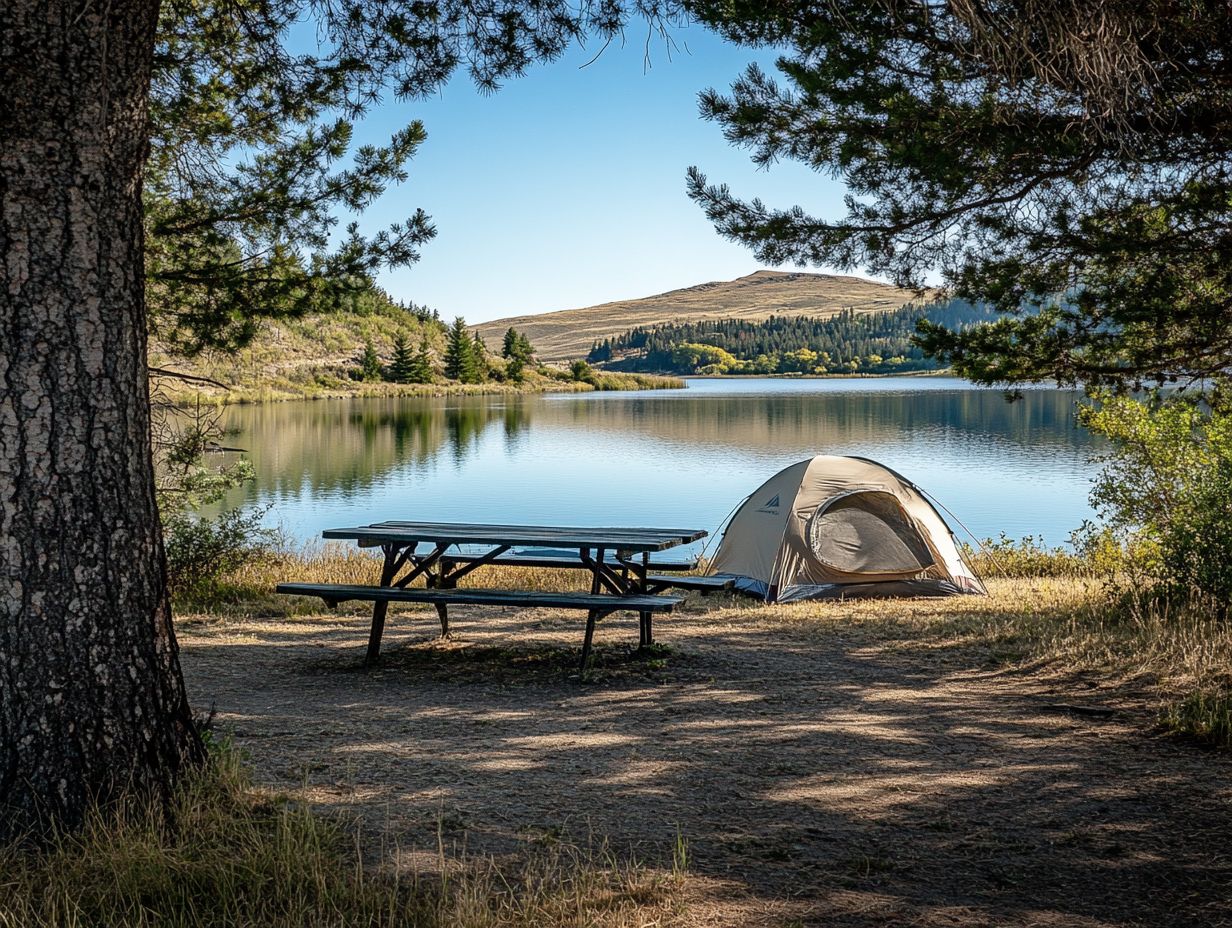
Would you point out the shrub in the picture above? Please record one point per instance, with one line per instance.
(1165, 491)
(582, 372)
(201, 551)
(1026, 557)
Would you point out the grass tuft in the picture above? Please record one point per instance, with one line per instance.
(1204, 715)
(228, 855)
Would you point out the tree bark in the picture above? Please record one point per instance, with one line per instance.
(92, 702)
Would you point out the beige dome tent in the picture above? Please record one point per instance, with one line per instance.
(841, 527)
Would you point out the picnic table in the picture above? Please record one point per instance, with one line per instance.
(442, 553)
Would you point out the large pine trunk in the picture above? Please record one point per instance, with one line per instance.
(92, 702)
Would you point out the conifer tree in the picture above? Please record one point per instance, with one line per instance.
(509, 347)
(370, 364)
(459, 353)
(479, 360)
(402, 364)
(421, 364)
(525, 349)
(1070, 158)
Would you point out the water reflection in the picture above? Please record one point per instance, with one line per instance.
(677, 457)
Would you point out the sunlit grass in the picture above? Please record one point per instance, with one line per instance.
(1059, 618)
(1064, 625)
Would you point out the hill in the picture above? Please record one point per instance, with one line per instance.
(321, 355)
(570, 333)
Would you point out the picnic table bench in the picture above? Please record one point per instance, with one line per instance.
(618, 560)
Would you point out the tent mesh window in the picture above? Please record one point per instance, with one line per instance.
(868, 533)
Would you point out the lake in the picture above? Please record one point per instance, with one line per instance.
(674, 458)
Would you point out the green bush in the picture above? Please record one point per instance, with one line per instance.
(201, 551)
(582, 372)
(1165, 491)
(1025, 557)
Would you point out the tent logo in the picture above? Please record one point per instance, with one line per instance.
(772, 506)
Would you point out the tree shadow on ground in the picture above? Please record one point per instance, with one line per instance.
(863, 786)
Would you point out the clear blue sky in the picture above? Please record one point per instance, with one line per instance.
(566, 188)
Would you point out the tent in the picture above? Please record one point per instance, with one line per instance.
(834, 527)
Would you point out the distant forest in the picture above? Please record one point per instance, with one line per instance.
(848, 343)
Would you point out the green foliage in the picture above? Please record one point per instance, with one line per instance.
(460, 354)
(693, 359)
(183, 438)
(1053, 156)
(582, 372)
(402, 364)
(1205, 715)
(421, 364)
(202, 551)
(1165, 491)
(252, 156)
(849, 342)
(479, 357)
(517, 350)
(516, 346)
(199, 551)
(1025, 557)
(369, 363)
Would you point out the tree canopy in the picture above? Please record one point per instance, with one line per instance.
(253, 185)
(1067, 163)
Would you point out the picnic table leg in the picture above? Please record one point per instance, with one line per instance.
(596, 585)
(645, 629)
(380, 607)
(591, 617)
(441, 581)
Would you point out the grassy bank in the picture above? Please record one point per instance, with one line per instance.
(1048, 611)
(326, 386)
(228, 855)
(318, 357)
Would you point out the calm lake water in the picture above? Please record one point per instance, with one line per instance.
(674, 458)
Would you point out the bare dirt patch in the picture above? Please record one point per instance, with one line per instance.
(820, 776)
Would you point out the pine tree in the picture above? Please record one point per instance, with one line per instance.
(421, 364)
(526, 351)
(459, 353)
(401, 366)
(509, 347)
(370, 364)
(479, 356)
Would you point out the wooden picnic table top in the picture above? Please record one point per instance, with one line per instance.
(528, 536)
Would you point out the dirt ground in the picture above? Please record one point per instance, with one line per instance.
(818, 779)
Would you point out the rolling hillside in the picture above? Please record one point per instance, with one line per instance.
(568, 334)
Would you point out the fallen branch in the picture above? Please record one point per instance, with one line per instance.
(1101, 712)
(191, 378)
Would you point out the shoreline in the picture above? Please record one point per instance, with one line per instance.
(938, 372)
(182, 393)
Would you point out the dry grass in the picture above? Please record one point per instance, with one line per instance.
(1060, 618)
(1181, 659)
(569, 334)
(236, 857)
(314, 357)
